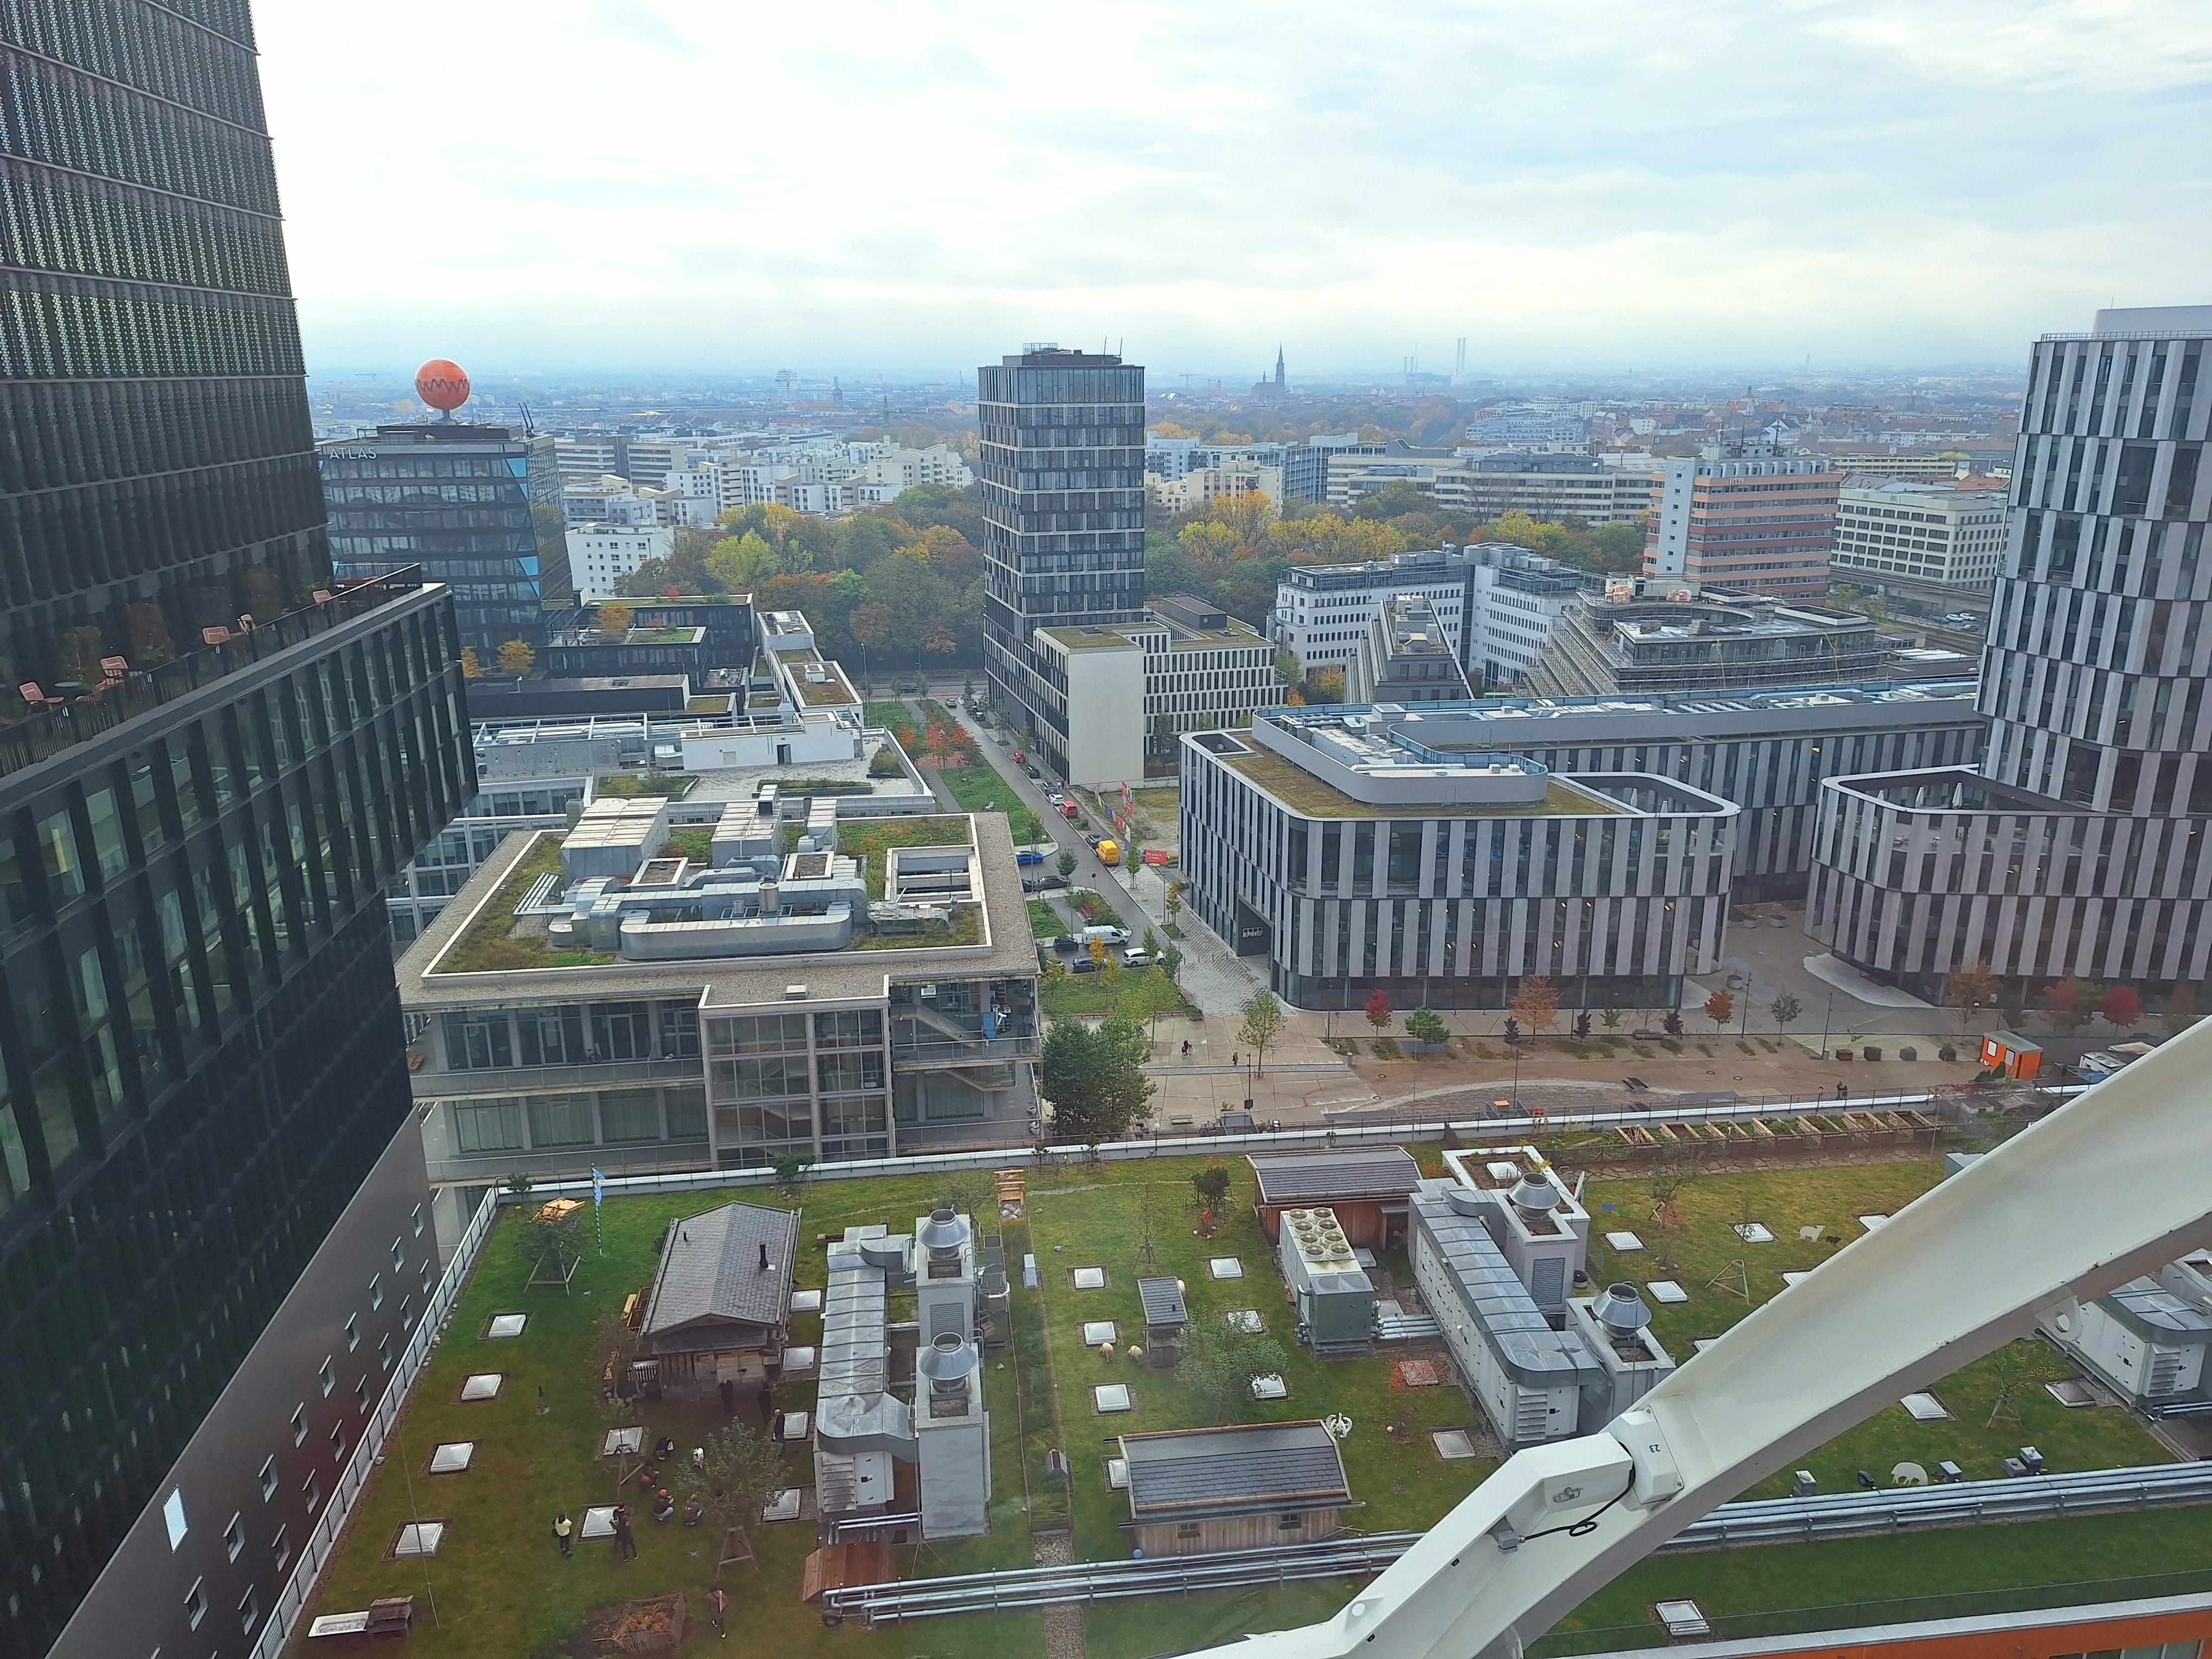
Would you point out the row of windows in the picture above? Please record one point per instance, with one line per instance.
(611, 1117)
(144, 46)
(58, 115)
(97, 227)
(57, 544)
(74, 432)
(63, 327)
(494, 1039)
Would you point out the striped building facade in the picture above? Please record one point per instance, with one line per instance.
(2077, 847)
(1355, 863)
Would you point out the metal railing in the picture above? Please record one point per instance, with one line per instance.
(321, 1545)
(1345, 1557)
(2152, 1589)
(1839, 1515)
(46, 732)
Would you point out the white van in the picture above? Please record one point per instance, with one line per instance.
(1105, 935)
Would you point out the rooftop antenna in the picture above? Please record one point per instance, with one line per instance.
(529, 426)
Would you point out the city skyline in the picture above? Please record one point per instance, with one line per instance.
(1715, 186)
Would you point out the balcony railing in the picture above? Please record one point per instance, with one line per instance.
(63, 723)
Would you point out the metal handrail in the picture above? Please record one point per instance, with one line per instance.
(49, 732)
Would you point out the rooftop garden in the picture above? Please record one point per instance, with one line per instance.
(496, 941)
(980, 789)
(1080, 639)
(501, 1587)
(868, 841)
(628, 784)
(1302, 792)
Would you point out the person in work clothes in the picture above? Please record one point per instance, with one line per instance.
(564, 1530)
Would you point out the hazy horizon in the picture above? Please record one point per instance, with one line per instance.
(640, 186)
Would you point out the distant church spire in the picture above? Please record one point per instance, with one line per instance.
(1279, 368)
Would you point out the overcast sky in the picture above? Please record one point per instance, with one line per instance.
(742, 185)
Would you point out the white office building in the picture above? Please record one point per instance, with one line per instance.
(1496, 602)
(1926, 532)
(601, 555)
(1201, 486)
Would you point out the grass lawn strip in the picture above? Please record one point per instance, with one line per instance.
(502, 1588)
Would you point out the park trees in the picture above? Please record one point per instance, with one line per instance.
(1094, 1078)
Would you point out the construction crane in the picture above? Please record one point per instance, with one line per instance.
(2108, 1188)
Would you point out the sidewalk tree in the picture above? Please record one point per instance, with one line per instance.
(516, 658)
(1582, 1027)
(2063, 1005)
(1264, 1022)
(1426, 1025)
(1094, 1078)
(1512, 1029)
(1785, 1008)
(1672, 1025)
(1171, 961)
(1535, 1004)
(1720, 1008)
(1379, 1011)
(1968, 986)
(1064, 863)
(2180, 1011)
(1609, 1018)
(2121, 1007)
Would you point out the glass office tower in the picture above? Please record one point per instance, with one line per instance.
(213, 765)
(1063, 476)
(477, 508)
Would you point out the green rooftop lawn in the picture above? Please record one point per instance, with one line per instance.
(494, 941)
(1302, 792)
(869, 840)
(1105, 992)
(886, 715)
(1833, 1195)
(501, 1587)
(980, 789)
(633, 783)
(966, 929)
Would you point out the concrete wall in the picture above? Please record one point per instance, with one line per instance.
(1105, 715)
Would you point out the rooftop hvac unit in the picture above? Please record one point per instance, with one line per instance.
(1533, 1199)
(1622, 1312)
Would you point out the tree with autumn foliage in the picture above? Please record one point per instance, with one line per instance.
(2122, 1008)
(1379, 1011)
(1535, 1004)
(1720, 1008)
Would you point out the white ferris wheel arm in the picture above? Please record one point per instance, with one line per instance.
(2110, 1186)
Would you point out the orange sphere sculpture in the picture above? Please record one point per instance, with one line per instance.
(441, 384)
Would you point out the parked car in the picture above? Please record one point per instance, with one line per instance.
(1043, 884)
(1139, 958)
(1031, 770)
(1106, 934)
(1084, 965)
(1069, 810)
(1028, 855)
(1021, 758)
(1093, 839)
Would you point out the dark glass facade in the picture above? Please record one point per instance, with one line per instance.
(1063, 477)
(157, 472)
(201, 1055)
(479, 508)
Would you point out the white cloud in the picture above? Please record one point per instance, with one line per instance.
(693, 184)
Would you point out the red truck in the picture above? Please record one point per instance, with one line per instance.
(1069, 810)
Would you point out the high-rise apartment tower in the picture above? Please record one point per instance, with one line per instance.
(1063, 477)
(208, 1172)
